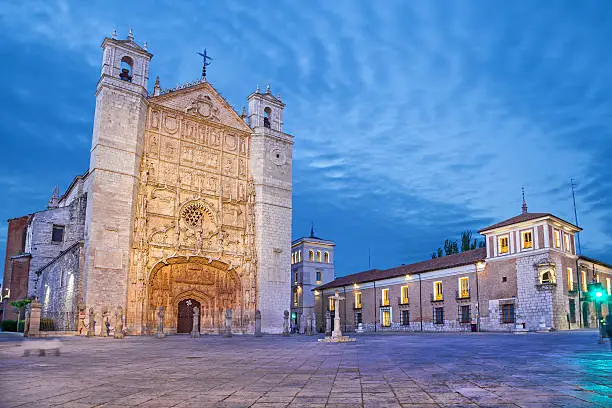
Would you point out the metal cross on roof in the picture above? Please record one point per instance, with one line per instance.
(205, 62)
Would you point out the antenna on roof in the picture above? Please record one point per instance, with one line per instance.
(312, 230)
(369, 260)
(524, 206)
(575, 214)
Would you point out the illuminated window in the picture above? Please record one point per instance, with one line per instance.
(318, 256)
(386, 318)
(502, 244)
(566, 242)
(385, 297)
(583, 281)
(295, 298)
(596, 276)
(557, 236)
(404, 295)
(331, 304)
(297, 276)
(527, 239)
(292, 258)
(608, 287)
(318, 275)
(357, 300)
(570, 279)
(311, 255)
(464, 287)
(326, 257)
(437, 290)
(300, 255)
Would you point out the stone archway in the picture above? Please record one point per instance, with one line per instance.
(210, 283)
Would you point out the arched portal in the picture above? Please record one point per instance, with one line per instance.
(208, 283)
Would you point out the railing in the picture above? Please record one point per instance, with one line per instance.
(402, 301)
(437, 297)
(463, 294)
(58, 321)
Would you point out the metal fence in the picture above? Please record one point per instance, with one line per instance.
(58, 321)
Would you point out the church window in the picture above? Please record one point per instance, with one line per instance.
(318, 273)
(437, 291)
(267, 117)
(311, 255)
(583, 282)
(438, 315)
(326, 257)
(57, 235)
(385, 297)
(318, 256)
(386, 317)
(357, 300)
(405, 317)
(527, 239)
(331, 306)
(502, 244)
(570, 279)
(127, 65)
(557, 235)
(507, 313)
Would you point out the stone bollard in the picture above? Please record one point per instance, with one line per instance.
(286, 323)
(302, 324)
(82, 314)
(91, 327)
(309, 325)
(328, 329)
(195, 330)
(228, 323)
(34, 320)
(257, 323)
(160, 323)
(119, 323)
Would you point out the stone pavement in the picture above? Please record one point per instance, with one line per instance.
(417, 370)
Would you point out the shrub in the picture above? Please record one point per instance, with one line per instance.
(8, 325)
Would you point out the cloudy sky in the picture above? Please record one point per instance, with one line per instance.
(412, 120)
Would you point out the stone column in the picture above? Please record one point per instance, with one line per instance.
(119, 323)
(91, 327)
(228, 323)
(160, 323)
(34, 320)
(302, 324)
(286, 323)
(257, 323)
(309, 325)
(195, 330)
(327, 323)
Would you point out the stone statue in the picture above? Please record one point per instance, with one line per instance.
(286, 323)
(257, 323)
(91, 327)
(82, 326)
(119, 323)
(309, 324)
(160, 323)
(228, 323)
(103, 328)
(195, 331)
(302, 324)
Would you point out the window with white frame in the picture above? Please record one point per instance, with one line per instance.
(503, 244)
(527, 239)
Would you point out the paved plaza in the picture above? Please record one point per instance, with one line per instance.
(418, 370)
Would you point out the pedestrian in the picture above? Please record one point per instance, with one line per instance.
(609, 328)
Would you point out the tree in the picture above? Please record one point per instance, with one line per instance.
(20, 304)
(451, 247)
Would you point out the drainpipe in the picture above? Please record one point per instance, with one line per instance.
(345, 302)
(375, 306)
(477, 301)
(420, 302)
(578, 276)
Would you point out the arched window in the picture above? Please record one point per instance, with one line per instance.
(127, 65)
(326, 257)
(318, 256)
(546, 278)
(311, 255)
(267, 117)
(300, 255)
(292, 258)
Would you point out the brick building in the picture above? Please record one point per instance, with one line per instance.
(527, 277)
(16, 266)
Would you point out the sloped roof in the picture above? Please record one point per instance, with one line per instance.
(445, 262)
(527, 216)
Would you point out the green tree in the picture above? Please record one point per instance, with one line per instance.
(19, 305)
(452, 247)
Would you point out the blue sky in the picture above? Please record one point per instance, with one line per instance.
(413, 120)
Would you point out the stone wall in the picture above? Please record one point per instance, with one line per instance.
(16, 266)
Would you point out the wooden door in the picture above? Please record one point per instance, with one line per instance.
(185, 315)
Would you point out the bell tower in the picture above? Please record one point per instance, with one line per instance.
(271, 160)
(116, 150)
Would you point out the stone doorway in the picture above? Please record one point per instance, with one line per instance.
(185, 315)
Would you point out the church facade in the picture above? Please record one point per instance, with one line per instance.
(186, 203)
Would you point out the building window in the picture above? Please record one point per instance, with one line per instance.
(572, 310)
(127, 66)
(503, 244)
(331, 306)
(596, 277)
(566, 243)
(404, 295)
(318, 275)
(300, 255)
(504, 279)
(326, 257)
(297, 278)
(295, 298)
(386, 317)
(405, 317)
(464, 314)
(437, 291)
(311, 255)
(357, 300)
(385, 297)
(464, 287)
(609, 289)
(557, 238)
(527, 239)
(438, 315)
(358, 318)
(507, 313)
(318, 256)
(58, 233)
(267, 117)
(570, 279)
(583, 282)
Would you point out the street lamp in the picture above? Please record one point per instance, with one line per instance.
(598, 295)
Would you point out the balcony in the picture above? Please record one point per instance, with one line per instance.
(462, 294)
(403, 301)
(384, 302)
(437, 297)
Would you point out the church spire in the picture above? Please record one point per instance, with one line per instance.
(54, 200)
(312, 230)
(524, 206)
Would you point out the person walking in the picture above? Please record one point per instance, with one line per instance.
(609, 328)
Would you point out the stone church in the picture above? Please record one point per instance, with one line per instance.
(186, 203)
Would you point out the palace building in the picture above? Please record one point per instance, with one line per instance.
(527, 277)
(186, 203)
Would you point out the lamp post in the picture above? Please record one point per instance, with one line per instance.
(598, 295)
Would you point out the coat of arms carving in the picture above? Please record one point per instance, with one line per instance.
(203, 106)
